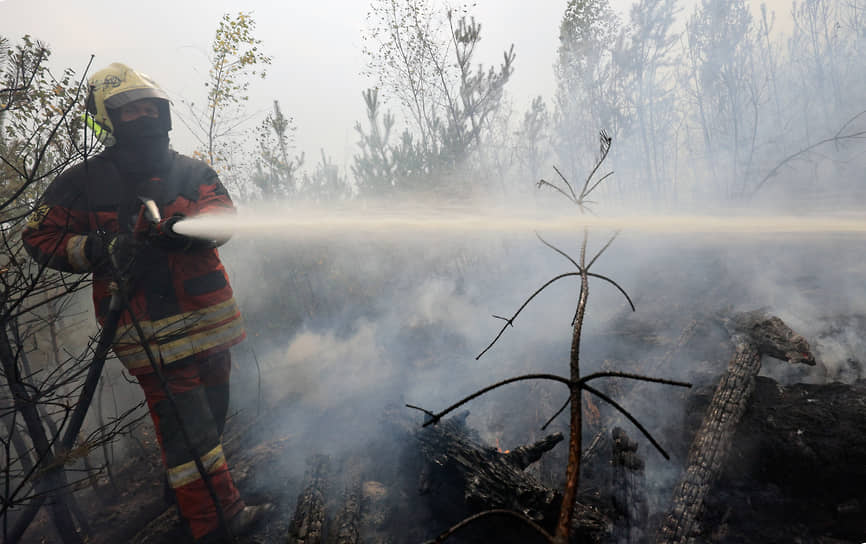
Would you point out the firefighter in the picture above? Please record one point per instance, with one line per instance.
(176, 289)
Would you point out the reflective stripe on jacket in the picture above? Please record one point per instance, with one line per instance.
(182, 299)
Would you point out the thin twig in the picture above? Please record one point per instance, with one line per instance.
(426, 411)
(631, 376)
(597, 183)
(837, 137)
(436, 418)
(556, 249)
(614, 374)
(615, 284)
(542, 183)
(605, 149)
(522, 306)
(603, 249)
(555, 415)
(497, 512)
(628, 416)
(573, 195)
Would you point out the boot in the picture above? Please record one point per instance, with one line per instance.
(241, 524)
(249, 518)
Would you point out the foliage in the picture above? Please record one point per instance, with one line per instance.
(41, 135)
(276, 173)
(647, 58)
(423, 59)
(587, 79)
(532, 139)
(724, 86)
(40, 123)
(326, 183)
(234, 59)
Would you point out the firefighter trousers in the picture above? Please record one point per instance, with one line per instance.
(200, 389)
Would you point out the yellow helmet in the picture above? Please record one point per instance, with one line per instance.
(116, 86)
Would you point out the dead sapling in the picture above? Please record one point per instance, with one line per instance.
(575, 382)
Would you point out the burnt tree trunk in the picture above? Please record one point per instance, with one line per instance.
(798, 471)
(754, 335)
(485, 477)
(347, 527)
(308, 523)
(629, 490)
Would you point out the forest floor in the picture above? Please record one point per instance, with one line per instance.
(134, 509)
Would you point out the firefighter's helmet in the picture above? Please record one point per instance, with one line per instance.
(118, 85)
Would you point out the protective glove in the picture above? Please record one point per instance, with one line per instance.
(117, 249)
(163, 236)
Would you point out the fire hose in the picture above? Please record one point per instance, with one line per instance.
(149, 224)
(49, 479)
(150, 213)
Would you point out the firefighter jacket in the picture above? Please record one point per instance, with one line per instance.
(181, 298)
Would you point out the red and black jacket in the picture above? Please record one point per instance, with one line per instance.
(182, 299)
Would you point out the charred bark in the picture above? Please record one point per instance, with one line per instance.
(798, 471)
(629, 490)
(485, 477)
(347, 527)
(377, 513)
(754, 335)
(308, 523)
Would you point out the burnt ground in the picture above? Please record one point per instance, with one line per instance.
(795, 475)
(139, 513)
(795, 472)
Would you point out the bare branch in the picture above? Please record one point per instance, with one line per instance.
(615, 284)
(435, 418)
(522, 306)
(556, 249)
(573, 196)
(603, 249)
(628, 416)
(498, 512)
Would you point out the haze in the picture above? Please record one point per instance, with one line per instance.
(317, 59)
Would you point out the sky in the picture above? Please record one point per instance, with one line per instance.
(316, 50)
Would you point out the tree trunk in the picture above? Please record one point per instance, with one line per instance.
(53, 482)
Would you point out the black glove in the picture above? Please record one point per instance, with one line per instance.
(111, 248)
(162, 235)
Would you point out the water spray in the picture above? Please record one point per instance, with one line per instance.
(381, 222)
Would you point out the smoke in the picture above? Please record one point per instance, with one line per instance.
(364, 307)
(347, 324)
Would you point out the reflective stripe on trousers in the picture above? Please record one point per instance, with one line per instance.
(199, 387)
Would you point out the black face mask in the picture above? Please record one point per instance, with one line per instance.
(142, 144)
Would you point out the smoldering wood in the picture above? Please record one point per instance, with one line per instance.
(813, 431)
(754, 335)
(798, 471)
(628, 490)
(308, 523)
(488, 478)
(347, 526)
(377, 513)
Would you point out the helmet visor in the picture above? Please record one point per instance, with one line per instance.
(126, 97)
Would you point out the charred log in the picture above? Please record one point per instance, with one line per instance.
(376, 513)
(308, 523)
(798, 472)
(754, 334)
(629, 490)
(347, 524)
(485, 477)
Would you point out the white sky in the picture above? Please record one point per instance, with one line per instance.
(315, 47)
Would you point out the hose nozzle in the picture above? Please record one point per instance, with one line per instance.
(151, 210)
